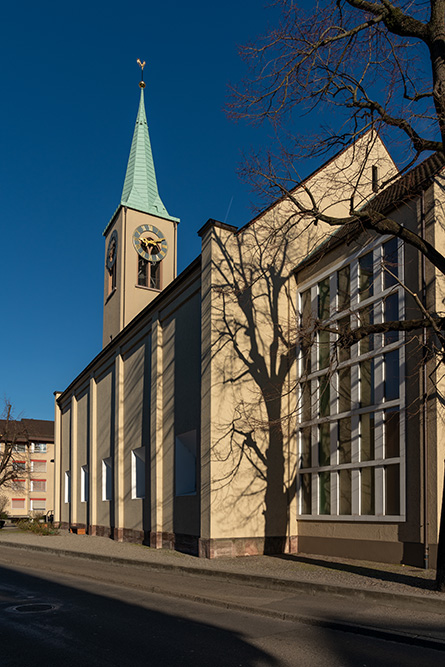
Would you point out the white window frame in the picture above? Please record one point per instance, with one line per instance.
(33, 467)
(36, 448)
(379, 463)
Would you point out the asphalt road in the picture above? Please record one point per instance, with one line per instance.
(79, 615)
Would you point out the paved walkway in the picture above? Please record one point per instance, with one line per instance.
(401, 603)
(317, 572)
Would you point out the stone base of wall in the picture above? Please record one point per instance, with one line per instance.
(160, 540)
(128, 535)
(100, 531)
(247, 546)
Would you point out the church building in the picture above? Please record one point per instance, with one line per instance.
(220, 418)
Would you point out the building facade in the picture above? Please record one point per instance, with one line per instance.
(32, 491)
(222, 417)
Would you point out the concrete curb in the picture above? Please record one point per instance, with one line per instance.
(414, 602)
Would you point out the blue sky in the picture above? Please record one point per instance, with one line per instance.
(70, 93)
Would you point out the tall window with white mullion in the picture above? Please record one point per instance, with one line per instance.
(351, 456)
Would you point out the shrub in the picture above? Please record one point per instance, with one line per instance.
(34, 526)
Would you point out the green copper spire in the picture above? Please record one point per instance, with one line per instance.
(140, 187)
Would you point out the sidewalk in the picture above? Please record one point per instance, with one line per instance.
(387, 601)
(310, 572)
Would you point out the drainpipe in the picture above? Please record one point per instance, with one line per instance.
(426, 545)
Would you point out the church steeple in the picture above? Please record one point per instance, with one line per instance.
(140, 189)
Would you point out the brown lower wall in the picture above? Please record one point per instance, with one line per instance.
(247, 546)
(408, 553)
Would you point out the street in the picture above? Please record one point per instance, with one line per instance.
(51, 615)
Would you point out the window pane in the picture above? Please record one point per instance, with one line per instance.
(306, 493)
(344, 353)
(155, 275)
(324, 391)
(366, 318)
(305, 447)
(142, 271)
(367, 491)
(323, 349)
(306, 328)
(344, 389)
(305, 388)
(345, 492)
(391, 314)
(324, 445)
(324, 493)
(392, 434)
(391, 262)
(366, 276)
(367, 437)
(392, 375)
(392, 489)
(343, 288)
(367, 382)
(344, 440)
(323, 299)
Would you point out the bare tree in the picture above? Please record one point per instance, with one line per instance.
(374, 67)
(11, 465)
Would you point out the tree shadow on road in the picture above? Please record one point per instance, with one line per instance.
(367, 571)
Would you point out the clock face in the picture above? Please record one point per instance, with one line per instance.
(150, 243)
(112, 250)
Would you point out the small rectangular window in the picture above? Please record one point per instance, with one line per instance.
(305, 398)
(306, 328)
(323, 349)
(138, 473)
(39, 447)
(18, 503)
(84, 484)
(38, 466)
(38, 485)
(38, 504)
(185, 463)
(20, 448)
(19, 466)
(67, 486)
(343, 325)
(107, 478)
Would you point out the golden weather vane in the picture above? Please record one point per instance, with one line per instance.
(141, 65)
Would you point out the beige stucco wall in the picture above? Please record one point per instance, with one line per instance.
(248, 324)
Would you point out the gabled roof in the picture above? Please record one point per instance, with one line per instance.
(405, 188)
(30, 430)
(140, 189)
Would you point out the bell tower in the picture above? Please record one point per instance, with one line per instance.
(140, 239)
